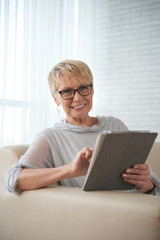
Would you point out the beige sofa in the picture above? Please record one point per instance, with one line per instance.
(64, 213)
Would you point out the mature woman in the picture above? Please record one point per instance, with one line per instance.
(63, 153)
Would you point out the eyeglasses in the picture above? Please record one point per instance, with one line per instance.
(69, 93)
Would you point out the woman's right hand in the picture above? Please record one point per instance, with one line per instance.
(38, 178)
(79, 165)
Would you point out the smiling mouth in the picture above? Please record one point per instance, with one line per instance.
(77, 107)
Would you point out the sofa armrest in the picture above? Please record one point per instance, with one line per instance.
(10, 155)
(66, 213)
(69, 213)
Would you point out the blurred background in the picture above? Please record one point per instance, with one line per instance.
(118, 39)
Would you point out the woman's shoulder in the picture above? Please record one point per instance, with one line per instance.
(55, 130)
(48, 131)
(112, 123)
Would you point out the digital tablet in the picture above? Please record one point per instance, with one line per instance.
(114, 152)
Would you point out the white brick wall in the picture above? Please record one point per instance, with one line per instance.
(128, 62)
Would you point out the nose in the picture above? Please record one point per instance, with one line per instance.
(76, 95)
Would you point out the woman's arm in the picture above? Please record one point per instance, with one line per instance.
(38, 178)
(38, 156)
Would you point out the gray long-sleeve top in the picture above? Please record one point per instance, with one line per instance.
(54, 147)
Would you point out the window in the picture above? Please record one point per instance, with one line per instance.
(34, 36)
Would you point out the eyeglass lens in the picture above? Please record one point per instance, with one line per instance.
(83, 91)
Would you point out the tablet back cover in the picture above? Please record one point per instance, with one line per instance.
(117, 151)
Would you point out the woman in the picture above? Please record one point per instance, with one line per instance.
(63, 153)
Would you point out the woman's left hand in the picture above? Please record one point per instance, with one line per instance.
(139, 176)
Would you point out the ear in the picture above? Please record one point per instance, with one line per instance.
(56, 101)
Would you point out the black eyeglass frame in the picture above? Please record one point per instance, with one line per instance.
(76, 90)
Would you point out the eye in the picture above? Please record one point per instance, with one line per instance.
(67, 91)
(83, 88)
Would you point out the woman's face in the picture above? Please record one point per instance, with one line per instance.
(79, 106)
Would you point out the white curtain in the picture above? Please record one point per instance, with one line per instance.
(35, 35)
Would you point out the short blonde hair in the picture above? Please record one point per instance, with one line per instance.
(70, 70)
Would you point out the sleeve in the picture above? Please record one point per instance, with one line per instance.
(37, 156)
(156, 182)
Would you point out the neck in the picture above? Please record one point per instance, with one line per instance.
(87, 121)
